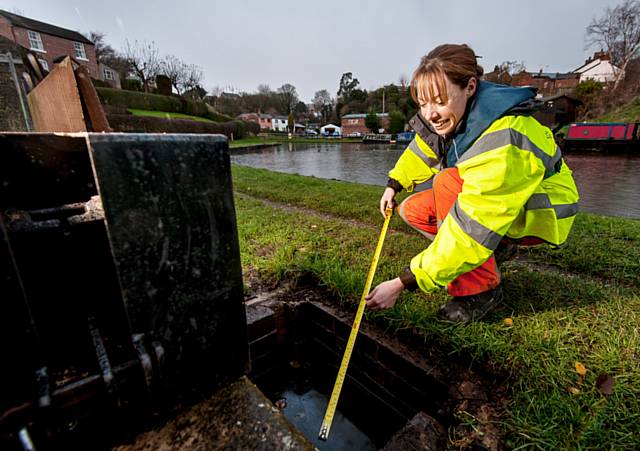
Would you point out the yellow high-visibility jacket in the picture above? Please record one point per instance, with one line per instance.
(515, 184)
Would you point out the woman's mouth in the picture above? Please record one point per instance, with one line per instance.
(441, 125)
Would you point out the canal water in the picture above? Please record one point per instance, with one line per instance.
(608, 183)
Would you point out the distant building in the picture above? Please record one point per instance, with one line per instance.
(353, 124)
(279, 123)
(598, 68)
(49, 42)
(330, 130)
(499, 76)
(547, 83)
(14, 110)
(558, 110)
(263, 120)
(109, 75)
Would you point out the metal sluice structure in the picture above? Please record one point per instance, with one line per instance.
(120, 281)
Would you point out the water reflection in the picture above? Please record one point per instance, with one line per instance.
(608, 183)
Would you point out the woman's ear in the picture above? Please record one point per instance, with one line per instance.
(472, 85)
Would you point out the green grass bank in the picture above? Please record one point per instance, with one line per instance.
(580, 303)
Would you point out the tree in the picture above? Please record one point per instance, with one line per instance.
(618, 32)
(175, 70)
(323, 103)
(347, 85)
(291, 123)
(144, 61)
(371, 122)
(103, 50)
(396, 122)
(288, 97)
(193, 78)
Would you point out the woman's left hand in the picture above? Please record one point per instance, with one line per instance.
(385, 295)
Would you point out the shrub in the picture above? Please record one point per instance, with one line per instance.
(219, 117)
(251, 127)
(154, 102)
(396, 122)
(163, 85)
(130, 84)
(138, 100)
(147, 124)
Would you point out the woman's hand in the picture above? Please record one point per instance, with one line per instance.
(387, 200)
(385, 295)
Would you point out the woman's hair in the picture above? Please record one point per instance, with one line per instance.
(455, 61)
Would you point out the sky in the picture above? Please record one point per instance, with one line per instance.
(240, 44)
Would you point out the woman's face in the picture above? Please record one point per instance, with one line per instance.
(444, 115)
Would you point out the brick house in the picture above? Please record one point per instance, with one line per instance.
(49, 42)
(353, 124)
(14, 110)
(263, 120)
(547, 83)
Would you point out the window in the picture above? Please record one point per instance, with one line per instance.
(108, 74)
(35, 41)
(44, 64)
(80, 53)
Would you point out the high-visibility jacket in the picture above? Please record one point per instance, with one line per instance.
(515, 184)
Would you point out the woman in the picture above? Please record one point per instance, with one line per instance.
(498, 180)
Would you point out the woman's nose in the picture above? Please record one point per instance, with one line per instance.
(429, 113)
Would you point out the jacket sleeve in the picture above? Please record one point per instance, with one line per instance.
(417, 164)
(497, 182)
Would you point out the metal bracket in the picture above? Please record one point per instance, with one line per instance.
(143, 357)
(103, 358)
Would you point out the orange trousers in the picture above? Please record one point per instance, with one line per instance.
(425, 211)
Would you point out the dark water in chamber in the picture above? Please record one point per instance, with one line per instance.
(608, 183)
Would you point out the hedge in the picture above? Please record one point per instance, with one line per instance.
(145, 124)
(139, 100)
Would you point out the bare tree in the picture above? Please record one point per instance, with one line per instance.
(264, 89)
(193, 77)
(618, 32)
(145, 61)
(175, 70)
(323, 103)
(404, 81)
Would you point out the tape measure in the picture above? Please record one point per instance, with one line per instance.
(342, 372)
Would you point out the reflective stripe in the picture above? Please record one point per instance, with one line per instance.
(415, 148)
(510, 136)
(483, 235)
(541, 200)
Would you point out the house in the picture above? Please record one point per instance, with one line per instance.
(15, 115)
(547, 83)
(353, 124)
(263, 120)
(109, 75)
(49, 42)
(279, 123)
(598, 68)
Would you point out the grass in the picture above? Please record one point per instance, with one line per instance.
(580, 303)
(167, 115)
(627, 113)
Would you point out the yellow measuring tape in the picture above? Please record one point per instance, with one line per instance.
(342, 372)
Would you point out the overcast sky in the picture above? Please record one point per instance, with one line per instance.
(244, 43)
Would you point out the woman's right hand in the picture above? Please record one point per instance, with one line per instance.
(386, 201)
